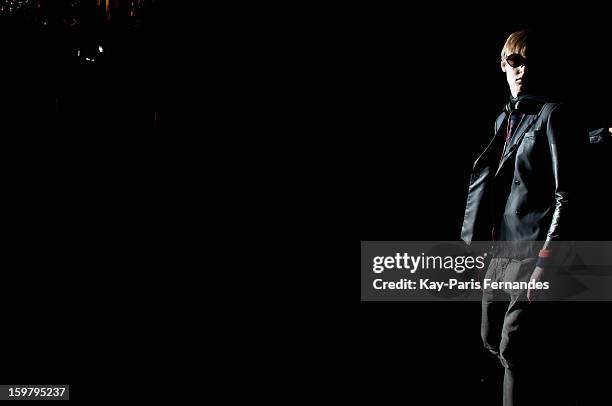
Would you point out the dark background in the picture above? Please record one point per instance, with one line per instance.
(58, 81)
(425, 87)
(78, 129)
(428, 92)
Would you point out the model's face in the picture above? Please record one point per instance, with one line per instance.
(514, 68)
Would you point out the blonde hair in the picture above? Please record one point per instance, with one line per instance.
(516, 44)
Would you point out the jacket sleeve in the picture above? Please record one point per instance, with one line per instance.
(565, 142)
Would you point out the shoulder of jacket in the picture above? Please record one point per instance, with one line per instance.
(550, 107)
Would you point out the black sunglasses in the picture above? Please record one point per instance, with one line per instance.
(515, 60)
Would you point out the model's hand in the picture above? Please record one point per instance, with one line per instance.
(537, 276)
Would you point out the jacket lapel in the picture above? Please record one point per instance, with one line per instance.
(499, 127)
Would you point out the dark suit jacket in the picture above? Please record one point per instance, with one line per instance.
(528, 195)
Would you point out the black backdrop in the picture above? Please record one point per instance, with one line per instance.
(77, 137)
(424, 87)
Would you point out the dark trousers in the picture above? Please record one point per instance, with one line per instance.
(517, 332)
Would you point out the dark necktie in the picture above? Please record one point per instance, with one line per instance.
(512, 121)
(510, 127)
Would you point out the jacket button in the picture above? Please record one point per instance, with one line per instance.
(517, 211)
(517, 182)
